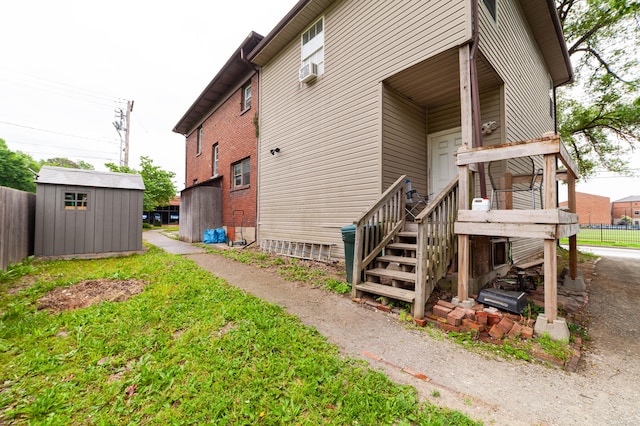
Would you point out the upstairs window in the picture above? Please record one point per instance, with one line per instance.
(214, 161)
(491, 7)
(199, 141)
(312, 49)
(75, 200)
(246, 97)
(241, 173)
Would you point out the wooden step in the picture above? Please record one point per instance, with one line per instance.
(408, 234)
(392, 274)
(403, 246)
(387, 291)
(397, 259)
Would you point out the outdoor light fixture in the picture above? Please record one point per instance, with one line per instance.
(274, 151)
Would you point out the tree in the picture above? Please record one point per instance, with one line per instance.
(14, 169)
(65, 162)
(159, 187)
(599, 116)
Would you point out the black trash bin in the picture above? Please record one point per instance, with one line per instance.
(349, 239)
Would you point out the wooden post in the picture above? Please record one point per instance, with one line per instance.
(466, 122)
(550, 255)
(573, 245)
(550, 280)
(508, 184)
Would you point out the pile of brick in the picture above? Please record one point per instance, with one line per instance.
(487, 324)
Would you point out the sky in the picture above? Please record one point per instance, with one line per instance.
(67, 65)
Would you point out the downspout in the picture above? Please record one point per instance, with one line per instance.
(475, 95)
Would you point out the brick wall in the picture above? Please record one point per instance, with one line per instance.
(591, 208)
(235, 134)
(626, 208)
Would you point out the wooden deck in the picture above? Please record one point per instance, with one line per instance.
(548, 224)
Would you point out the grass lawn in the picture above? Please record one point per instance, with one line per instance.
(188, 349)
(608, 237)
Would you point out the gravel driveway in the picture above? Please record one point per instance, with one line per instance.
(604, 391)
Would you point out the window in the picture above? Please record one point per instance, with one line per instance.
(246, 97)
(312, 50)
(636, 212)
(241, 173)
(491, 7)
(199, 141)
(75, 200)
(214, 165)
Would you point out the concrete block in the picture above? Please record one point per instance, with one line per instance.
(574, 285)
(558, 329)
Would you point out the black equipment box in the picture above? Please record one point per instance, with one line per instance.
(510, 301)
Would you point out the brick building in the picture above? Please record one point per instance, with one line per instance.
(221, 164)
(629, 206)
(591, 209)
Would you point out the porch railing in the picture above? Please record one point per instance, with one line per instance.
(377, 227)
(437, 243)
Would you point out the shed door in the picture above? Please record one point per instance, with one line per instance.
(443, 164)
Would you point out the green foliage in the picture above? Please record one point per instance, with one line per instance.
(159, 187)
(65, 162)
(557, 348)
(17, 270)
(338, 286)
(599, 116)
(14, 169)
(626, 220)
(189, 349)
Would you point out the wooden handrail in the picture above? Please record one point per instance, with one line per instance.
(436, 243)
(377, 226)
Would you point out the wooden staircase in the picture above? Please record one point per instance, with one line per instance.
(403, 260)
(394, 272)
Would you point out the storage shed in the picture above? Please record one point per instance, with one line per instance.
(87, 212)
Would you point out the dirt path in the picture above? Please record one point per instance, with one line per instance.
(605, 390)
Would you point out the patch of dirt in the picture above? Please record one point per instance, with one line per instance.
(91, 292)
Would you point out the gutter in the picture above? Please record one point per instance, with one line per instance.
(557, 25)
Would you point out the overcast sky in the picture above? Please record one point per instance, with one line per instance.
(66, 65)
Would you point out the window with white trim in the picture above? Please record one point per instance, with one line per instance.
(246, 97)
(491, 7)
(75, 200)
(214, 160)
(241, 173)
(312, 47)
(199, 141)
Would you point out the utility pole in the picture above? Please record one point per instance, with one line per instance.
(122, 124)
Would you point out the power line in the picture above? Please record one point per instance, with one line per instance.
(114, 141)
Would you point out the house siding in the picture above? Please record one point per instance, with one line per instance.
(404, 149)
(510, 47)
(330, 132)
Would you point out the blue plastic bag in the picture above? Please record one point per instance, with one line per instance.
(214, 236)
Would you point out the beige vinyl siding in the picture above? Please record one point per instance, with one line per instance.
(510, 47)
(329, 169)
(444, 117)
(404, 147)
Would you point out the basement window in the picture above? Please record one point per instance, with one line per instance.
(75, 200)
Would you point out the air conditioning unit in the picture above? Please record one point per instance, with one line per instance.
(308, 72)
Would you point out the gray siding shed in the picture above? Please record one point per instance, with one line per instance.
(86, 212)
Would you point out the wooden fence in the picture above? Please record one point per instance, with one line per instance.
(17, 225)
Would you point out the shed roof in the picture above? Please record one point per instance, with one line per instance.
(79, 177)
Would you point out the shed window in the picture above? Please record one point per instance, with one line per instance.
(75, 201)
(241, 173)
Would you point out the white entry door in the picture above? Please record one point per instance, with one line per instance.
(443, 166)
